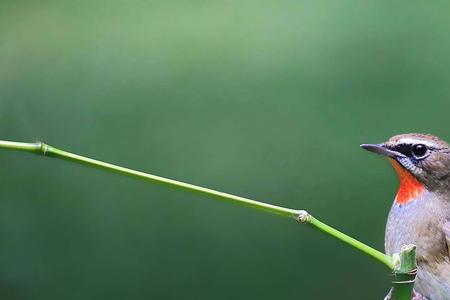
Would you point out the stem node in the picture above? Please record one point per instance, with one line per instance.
(303, 217)
(41, 148)
(404, 273)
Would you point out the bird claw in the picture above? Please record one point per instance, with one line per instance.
(415, 296)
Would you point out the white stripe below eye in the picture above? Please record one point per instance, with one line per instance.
(406, 162)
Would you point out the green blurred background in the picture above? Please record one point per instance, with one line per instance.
(264, 99)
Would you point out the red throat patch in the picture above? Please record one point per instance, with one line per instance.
(409, 187)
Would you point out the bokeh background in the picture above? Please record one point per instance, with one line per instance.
(264, 99)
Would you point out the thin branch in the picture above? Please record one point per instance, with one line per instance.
(300, 215)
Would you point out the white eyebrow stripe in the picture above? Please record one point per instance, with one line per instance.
(415, 141)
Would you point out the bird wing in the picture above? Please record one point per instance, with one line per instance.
(446, 229)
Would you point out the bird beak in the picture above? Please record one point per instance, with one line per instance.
(382, 149)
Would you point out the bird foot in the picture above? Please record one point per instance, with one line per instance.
(415, 296)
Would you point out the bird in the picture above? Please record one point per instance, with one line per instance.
(420, 213)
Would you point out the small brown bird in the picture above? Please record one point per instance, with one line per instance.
(420, 214)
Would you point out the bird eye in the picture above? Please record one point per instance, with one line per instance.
(419, 150)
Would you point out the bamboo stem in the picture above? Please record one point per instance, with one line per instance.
(404, 275)
(300, 215)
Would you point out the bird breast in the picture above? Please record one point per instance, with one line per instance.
(418, 222)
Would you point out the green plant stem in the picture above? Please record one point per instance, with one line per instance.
(405, 271)
(300, 215)
(381, 257)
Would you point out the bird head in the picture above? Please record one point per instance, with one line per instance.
(421, 161)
